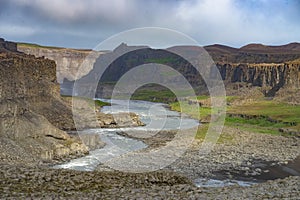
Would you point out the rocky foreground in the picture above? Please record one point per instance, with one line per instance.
(239, 151)
(21, 182)
(33, 120)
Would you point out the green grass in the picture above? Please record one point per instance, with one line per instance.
(203, 97)
(91, 102)
(154, 93)
(261, 116)
(37, 46)
(262, 121)
(272, 109)
(259, 125)
(190, 110)
(154, 96)
(202, 131)
(273, 116)
(101, 103)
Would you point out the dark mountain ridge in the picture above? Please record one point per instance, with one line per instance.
(248, 66)
(254, 53)
(271, 68)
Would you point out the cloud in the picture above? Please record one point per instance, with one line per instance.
(69, 11)
(71, 22)
(15, 30)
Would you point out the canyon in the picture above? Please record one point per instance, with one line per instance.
(37, 128)
(68, 61)
(35, 117)
(271, 68)
(32, 101)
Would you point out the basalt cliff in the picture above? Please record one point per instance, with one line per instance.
(70, 63)
(33, 116)
(272, 71)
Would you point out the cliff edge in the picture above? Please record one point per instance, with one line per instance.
(32, 114)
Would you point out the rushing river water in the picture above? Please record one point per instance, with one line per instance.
(156, 117)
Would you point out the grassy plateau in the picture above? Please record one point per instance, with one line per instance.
(261, 116)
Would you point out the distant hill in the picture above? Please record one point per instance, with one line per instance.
(288, 48)
(254, 53)
(268, 67)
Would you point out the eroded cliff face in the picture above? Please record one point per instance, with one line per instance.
(271, 69)
(70, 63)
(269, 77)
(32, 114)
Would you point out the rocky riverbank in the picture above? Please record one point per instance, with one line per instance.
(238, 153)
(241, 153)
(34, 117)
(23, 182)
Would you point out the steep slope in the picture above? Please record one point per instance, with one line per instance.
(269, 77)
(270, 68)
(31, 111)
(68, 61)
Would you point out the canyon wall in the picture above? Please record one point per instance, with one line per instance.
(70, 63)
(273, 69)
(33, 116)
(269, 77)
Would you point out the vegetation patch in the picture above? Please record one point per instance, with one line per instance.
(154, 93)
(262, 116)
(91, 102)
(190, 110)
(275, 110)
(101, 103)
(37, 46)
(202, 132)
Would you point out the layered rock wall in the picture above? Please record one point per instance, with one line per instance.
(70, 63)
(270, 69)
(270, 77)
(32, 114)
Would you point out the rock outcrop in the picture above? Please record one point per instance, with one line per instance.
(272, 69)
(269, 77)
(250, 66)
(119, 120)
(70, 63)
(33, 116)
(87, 115)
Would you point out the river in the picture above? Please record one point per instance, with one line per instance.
(156, 116)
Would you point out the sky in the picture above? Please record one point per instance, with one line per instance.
(85, 23)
